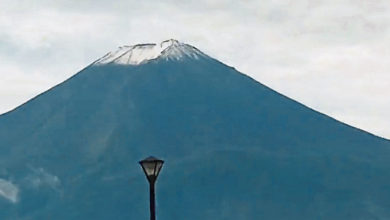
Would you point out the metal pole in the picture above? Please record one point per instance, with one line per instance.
(152, 201)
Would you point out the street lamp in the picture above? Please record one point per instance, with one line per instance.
(152, 167)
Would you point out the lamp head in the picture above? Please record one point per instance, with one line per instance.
(152, 167)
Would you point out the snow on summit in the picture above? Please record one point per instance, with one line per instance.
(142, 53)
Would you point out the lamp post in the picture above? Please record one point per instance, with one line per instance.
(152, 167)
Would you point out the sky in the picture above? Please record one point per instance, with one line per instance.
(331, 55)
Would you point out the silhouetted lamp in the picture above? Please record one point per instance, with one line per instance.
(152, 167)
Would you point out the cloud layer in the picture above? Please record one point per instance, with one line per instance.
(331, 55)
(9, 191)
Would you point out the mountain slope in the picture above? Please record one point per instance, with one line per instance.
(234, 149)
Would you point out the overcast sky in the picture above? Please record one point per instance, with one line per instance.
(332, 55)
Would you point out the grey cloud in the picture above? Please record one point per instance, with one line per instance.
(39, 177)
(9, 191)
(315, 51)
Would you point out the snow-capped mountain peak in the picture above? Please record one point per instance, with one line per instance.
(143, 53)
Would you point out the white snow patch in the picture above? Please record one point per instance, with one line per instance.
(9, 191)
(142, 53)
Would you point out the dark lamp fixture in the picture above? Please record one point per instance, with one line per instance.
(152, 167)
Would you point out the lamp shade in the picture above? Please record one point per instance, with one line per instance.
(151, 167)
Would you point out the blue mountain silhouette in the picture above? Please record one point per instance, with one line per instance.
(233, 149)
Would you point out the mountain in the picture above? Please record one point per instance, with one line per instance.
(233, 148)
